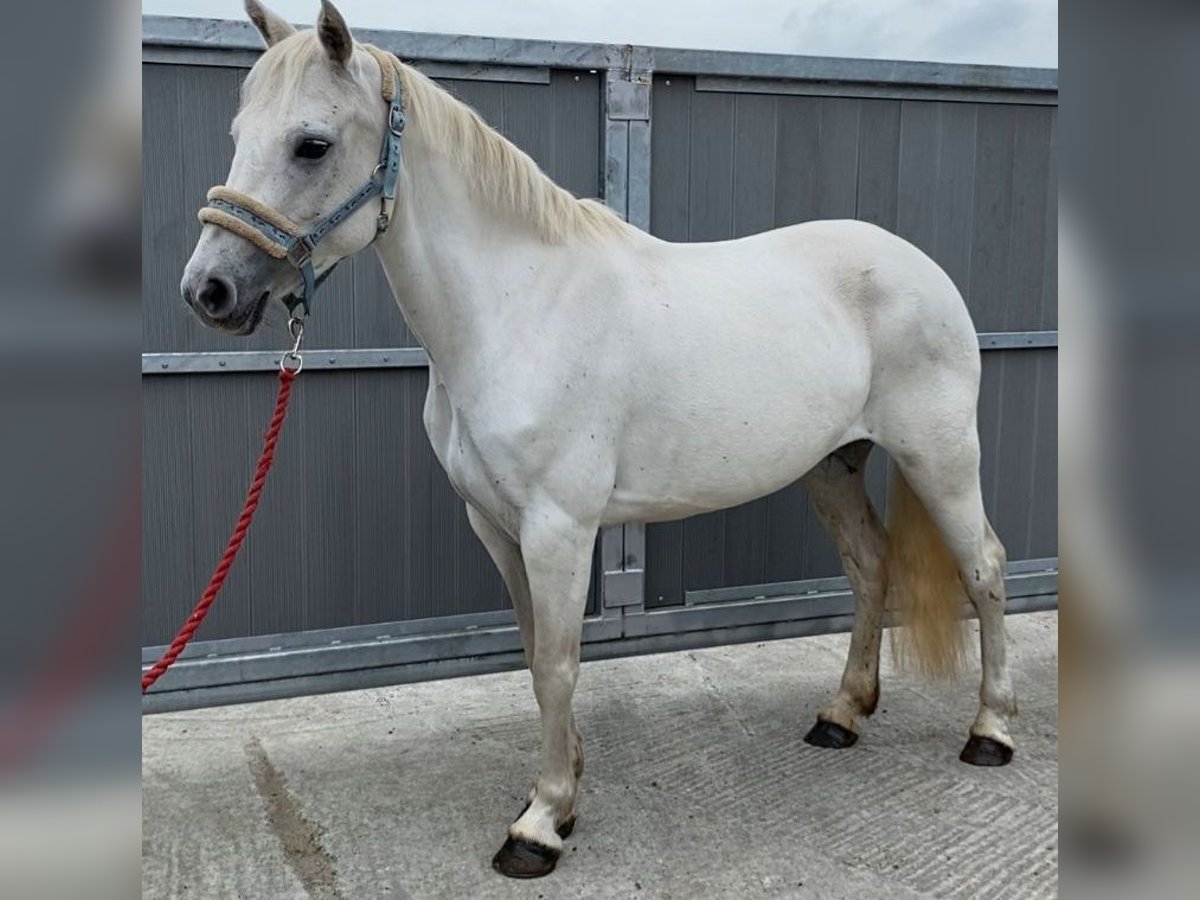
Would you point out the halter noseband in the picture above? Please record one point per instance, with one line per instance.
(278, 236)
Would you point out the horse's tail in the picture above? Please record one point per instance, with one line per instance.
(924, 590)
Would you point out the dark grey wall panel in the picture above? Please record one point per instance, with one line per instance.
(358, 523)
(972, 184)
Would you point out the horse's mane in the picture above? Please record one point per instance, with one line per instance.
(496, 170)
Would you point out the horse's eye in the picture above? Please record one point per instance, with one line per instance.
(311, 148)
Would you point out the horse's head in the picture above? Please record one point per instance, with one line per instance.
(307, 138)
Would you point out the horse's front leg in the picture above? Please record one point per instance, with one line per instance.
(557, 550)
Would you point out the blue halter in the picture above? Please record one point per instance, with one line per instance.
(298, 248)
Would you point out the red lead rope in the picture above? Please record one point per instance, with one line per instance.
(286, 377)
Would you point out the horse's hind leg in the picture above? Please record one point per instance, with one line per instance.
(944, 474)
(838, 489)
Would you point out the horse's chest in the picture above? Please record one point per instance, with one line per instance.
(482, 478)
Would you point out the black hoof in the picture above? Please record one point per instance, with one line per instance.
(525, 859)
(830, 735)
(982, 751)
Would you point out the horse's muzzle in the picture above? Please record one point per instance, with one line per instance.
(217, 303)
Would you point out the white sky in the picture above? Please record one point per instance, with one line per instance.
(1006, 32)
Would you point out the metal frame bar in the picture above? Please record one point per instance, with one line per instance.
(220, 362)
(809, 587)
(268, 360)
(259, 668)
(626, 155)
(813, 88)
(209, 34)
(244, 59)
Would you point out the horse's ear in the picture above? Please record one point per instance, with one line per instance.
(335, 36)
(272, 28)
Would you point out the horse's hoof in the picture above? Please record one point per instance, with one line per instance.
(830, 735)
(525, 859)
(983, 751)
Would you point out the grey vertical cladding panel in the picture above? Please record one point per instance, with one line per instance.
(670, 158)
(1018, 437)
(423, 479)
(164, 205)
(378, 321)
(332, 324)
(169, 575)
(1043, 510)
(917, 186)
(382, 491)
(754, 147)
(710, 184)
(223, 455)
(837, 177)
(526, 122)
(797, 155)
(1016, 449)
(704, 551)
(955, 190)
(745, 543)
(787, 534)
(1027, 244)
(987, 292)
(278, 545)
(327, 431)
(485, 97)
(988, 419)
(1048, 315)
(575, 131)
(664, 564)
(878, 162)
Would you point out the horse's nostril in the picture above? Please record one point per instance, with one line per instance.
(216, 298)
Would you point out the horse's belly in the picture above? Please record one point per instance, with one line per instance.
(712, 453)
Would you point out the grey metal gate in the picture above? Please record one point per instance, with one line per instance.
(361, 568)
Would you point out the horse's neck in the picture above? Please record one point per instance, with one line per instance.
(457, 266)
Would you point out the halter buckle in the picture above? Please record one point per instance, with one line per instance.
(300, 252)
(396, 120)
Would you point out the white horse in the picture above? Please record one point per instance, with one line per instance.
(584, 374)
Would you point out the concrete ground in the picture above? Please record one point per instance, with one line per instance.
(697, 786)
